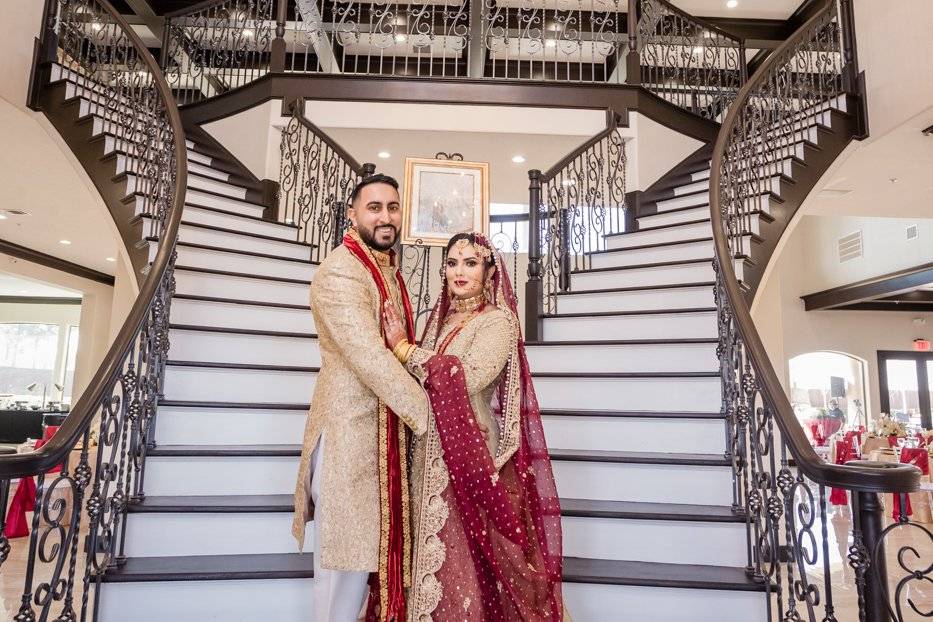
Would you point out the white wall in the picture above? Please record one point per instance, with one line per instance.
(250, 137)
(654, 150)
(804, 266)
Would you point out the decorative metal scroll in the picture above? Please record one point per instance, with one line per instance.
(210, 50)
(687, 62)
(86, 496)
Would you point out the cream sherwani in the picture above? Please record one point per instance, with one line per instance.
(357, 370)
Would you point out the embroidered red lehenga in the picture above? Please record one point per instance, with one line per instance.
(487, 534)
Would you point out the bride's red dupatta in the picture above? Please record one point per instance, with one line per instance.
(387, 587)
(510, 516)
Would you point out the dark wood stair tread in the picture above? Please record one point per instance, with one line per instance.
(246, 366)
(169, 403)
(623, 342)
(245, 331)
(638, 457)
(634, 414)
(638, 266)
(240, 504)
(221, 249)
(301, 566)
(654, 574)
(244, 275)
(213, 568)
(638, 510)
(217, 451)
(239, 301)
(626, 374)
(558, 316)
(615, 290)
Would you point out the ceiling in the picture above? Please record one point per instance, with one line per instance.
(746, 9)
(17, 286)
(60, 203)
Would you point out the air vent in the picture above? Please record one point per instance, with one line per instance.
(912, 232)
(850, 246)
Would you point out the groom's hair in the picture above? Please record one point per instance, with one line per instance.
(375, 178)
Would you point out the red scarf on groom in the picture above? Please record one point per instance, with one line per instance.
(387, 587)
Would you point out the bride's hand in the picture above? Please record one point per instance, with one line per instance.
(392, 324)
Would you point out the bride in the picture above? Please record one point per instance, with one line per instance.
(486, 532)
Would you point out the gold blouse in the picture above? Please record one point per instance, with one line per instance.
(483, 347)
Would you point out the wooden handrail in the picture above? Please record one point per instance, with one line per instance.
(297, 108)
(612, 124)
(81, 416)
(876, 477)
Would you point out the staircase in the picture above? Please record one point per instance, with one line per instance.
(627, 372)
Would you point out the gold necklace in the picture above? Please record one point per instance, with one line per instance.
(465, 305)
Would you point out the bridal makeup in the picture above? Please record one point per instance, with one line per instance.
(464, 271)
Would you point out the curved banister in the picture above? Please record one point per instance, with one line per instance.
(614, 120)
(297, 108)
(900, 478)
(81, 416)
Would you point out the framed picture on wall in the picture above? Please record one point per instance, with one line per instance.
(442, 198)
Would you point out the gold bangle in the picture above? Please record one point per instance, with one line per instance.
(398, 348)
(408, 353)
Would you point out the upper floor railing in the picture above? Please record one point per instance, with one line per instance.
(780, 482)
(93, 466)
(219, 45)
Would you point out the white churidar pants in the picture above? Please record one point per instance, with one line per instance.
(338, 595)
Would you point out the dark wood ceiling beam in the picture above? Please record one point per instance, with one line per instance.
(870, 290)
(144, 12)
(37, 257)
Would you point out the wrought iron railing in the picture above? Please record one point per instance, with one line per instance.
(213, 47)
(573, 208)
(101, 445)
(780, 482)
(687, 61)
(222, 44)
(316, 177)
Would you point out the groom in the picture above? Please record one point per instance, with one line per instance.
(354, 461)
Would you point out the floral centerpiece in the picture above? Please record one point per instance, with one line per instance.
(888, 426)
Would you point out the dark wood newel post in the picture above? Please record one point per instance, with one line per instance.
(277, 57)
(533, 288)
(632, 61)
(870, 517)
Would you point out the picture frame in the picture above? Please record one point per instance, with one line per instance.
(443, 198)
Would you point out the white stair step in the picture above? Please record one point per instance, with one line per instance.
(639, 277)
(189, 232)
(699, 175)
(700, 249)
(200, 158)
(221, 475)
(690, 200)
(194, 195)
(225, 259)
(676, 216)
(254, 600)
(652, 393)
(624, 357)
(685, 542)
(157, 534)
(200, 215)
(784, 135)
(220, 187)
(200, 345)
(207, 171)
(629, 326)
(177, 425)
(239, 287)
(592, 602)
(690, 231)
(232, 315)
(688, 297)
(653, 483)
(218, 384)
(623, 433)
(692, 187)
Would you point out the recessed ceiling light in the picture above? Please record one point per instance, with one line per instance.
(2, 216)
(23, 291)
(97, 26)
(707, 34)
(732, 4)
(384, 154)
(518, 159)
(698, 49)
(111, 259)
(65, 242)
(551, 43)
(569, 182)
(400, 38)
(894, 180)
(247, 33)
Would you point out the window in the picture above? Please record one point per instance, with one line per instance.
(68, 371)
(906, 380)
(827, 393)
(28, 355)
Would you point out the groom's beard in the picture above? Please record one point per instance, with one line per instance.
(376, 241)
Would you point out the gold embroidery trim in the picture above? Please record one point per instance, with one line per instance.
(383, 514)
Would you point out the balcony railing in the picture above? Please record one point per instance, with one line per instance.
(218, 46)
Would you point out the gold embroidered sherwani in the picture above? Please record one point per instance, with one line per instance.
(356, 367)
